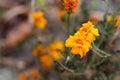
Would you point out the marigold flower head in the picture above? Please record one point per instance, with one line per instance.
(71, 5)
(61, 13)
(94, 19)
(57, 45)
(117, 21)
(39, 19)
(96, 16)
(80, 42)
(55, 49)
(39, 50)
(46, 61)
(55, 55)
(78, 45)
(23, 76)
(109, 18)
(88, 31)
(34, 74)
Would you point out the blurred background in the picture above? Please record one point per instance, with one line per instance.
(19, 37)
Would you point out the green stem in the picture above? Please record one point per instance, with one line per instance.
(68, 23)
(70, 70)
(97, 49)
(96, 52)
(102, 37)
(106, 26)
(66, 68)
(69, 58)
(100, 42)
(93, 58)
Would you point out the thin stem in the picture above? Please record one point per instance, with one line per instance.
(102, 38)
(106, 25)
(97, 49)
(98, 53)
(100, 42)
(68, 23)
(66, 68)
(70, 70)
(69, 58)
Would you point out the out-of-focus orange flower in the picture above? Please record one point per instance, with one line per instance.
(71, 5)
(56, 55)
(80, 42)
(39, 50)
(35, 74)
(117, 21)
(39, 19)
(46, 61)
(96, 16)
(55, 49)
(109, 18)
(94, 19)
(61, 13)
(57, 45)
(23, 76)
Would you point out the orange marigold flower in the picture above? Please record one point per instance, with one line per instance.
(39, 50)
(39, 19)
(94, 19)
(89, 32)
(55, 55)
(96, 16)
(80, 42)
(46, 61)
(61, 13)
(57, 45)
(55, 49)
(117, 21)
(109, 18)
(34, 74)
(23, 76)
(71, 5)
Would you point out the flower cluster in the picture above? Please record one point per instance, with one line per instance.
(40, 52)
(23, 76)
(80, 42)
(55, 49)
(34, 75)
(71, 5)
(46, 61)
(39, 20)
(47, 55)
